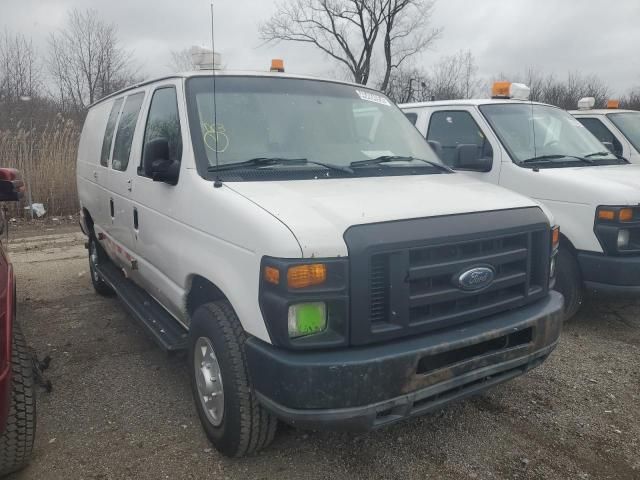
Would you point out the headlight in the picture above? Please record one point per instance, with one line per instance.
(623, 239)
(618, 229)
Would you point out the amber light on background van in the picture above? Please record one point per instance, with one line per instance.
(613, 104)
(501, 89)
(302, 276)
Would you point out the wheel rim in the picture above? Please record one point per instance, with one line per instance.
(93, 259)
(208, 381)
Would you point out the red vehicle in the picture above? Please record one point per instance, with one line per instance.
(17, 396)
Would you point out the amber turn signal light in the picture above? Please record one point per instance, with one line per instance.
(272, 275)
(625, 215)
(302, 276)
(607, 215)
(555, 237)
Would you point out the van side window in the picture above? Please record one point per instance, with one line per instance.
(602, 133)
(126, 128)
(453, 129)
(163, 122)
(108, 134)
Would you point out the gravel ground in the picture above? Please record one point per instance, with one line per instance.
(120, 408)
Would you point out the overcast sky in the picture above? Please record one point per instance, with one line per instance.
(590, 36)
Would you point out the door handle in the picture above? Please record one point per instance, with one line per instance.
(95, 176)
(111, 208)
(135, 218)
(129, 184)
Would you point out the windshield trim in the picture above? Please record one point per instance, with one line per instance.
(611, 117)
(513, 157)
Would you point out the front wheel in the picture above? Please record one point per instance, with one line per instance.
(16, 442)
(234, 421)
(569, 282)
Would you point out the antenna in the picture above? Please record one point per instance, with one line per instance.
(217, 183)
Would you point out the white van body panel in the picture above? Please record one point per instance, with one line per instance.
(572, 194)
(91, 176)
(320, 211)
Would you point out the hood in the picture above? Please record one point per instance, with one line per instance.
(318, 212)
(601, 185)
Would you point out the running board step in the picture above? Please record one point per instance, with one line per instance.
(168, 333)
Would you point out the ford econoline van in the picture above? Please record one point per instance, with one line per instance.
(315, 258)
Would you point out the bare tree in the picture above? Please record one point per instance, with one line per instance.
(181, 60)
(20, 72)
(406, 34)
(452, 77)
(349, 31)
(86, 60)
(631, 100)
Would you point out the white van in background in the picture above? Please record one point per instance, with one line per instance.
(617, 129)
(543, 152)
(320, 264)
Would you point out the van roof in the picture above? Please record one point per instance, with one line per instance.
(467, 103)
(224, 73)
(601, 111)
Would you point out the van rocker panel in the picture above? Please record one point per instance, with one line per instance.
(357, 389)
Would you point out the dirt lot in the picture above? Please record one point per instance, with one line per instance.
(120, 408)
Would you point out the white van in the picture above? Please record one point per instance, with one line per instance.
(617, 129)
(543, 152)
(314, 256)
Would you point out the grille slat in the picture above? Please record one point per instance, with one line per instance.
(447, 294)
(495, 259)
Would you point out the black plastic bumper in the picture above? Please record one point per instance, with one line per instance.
(608, 274)
(358, 389)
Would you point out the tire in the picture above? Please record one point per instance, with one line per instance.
(569, 282)
(16, 442)
(97, 256)
(243, 426)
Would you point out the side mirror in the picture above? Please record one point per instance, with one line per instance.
(156, 162)
(468, 158)
(11, 185)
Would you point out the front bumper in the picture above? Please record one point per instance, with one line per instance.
(608, 274)
(361, 388)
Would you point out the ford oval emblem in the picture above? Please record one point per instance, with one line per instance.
(476, 278)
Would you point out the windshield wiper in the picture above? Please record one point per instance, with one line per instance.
(550, 158)
(598, 154)
(269, 161)
(602, 154)
(397, 158)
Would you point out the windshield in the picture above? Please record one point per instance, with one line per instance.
(629, 124)
(284, 118)
(531, 131)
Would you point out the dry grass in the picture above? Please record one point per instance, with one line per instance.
(47, 160)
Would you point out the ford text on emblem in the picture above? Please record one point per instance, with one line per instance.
(476, 278)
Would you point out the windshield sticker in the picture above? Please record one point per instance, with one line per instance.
(378, 153)
(372, 97)
(215, 136)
